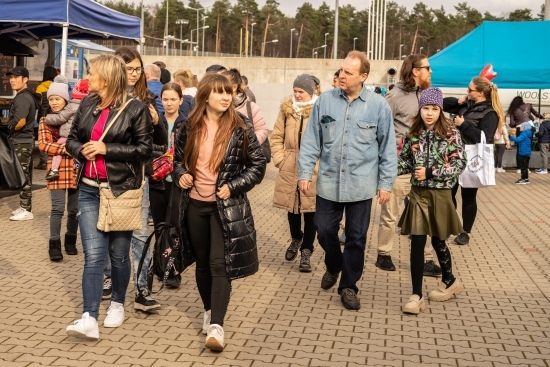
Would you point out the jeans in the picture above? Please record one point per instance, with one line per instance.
(544, 147)
(204, 227)
(96, 245)
(59, 197)
(327, 220)
(388, 217)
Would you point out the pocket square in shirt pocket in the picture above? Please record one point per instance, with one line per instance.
(326, 119)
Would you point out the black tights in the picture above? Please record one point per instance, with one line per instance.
(308, 235)
(204, 227)
(469, 206)
(417, 261)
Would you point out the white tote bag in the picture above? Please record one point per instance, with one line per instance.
(480, 169)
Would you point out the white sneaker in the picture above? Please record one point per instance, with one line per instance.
(115, 315)
(22, 215)
(206, 321)
(518, 171)
(17, 211)
(414, 305)
(214, 339)
(541, 171)
(85, 328)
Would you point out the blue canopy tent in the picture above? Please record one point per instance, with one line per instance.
(515, 49)
(79, 19)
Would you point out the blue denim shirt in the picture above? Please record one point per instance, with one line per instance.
(355, 143)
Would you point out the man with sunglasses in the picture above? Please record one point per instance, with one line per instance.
(415, 75)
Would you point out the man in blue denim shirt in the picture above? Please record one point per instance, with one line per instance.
(351, 132)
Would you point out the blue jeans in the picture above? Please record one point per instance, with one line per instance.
(96, 245)
(327, 220)
(139, 237)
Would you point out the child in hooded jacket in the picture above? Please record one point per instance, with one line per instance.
(523, 141)
(62, 112)
(434, 154)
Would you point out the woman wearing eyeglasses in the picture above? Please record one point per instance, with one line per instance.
(478, 111)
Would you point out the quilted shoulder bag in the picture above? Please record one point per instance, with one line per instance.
(121, 213)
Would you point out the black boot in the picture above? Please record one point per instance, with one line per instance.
(70, 244)
(55, 250)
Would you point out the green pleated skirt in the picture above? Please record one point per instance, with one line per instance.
(430, 212)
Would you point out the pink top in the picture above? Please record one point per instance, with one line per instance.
(205, 182)
(89, 171)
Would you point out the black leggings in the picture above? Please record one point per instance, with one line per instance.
(204, 227)
(499, 153)
(308, 235)
(469, 206)
(417, 261)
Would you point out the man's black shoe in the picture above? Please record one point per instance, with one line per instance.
(328, 280)
(384, 262)
(431, 269)
(462, 239)
(292, 250)
(349, 299)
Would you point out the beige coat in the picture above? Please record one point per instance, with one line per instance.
(284, 150)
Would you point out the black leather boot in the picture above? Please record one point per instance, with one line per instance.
(70, 244)
(55, 250)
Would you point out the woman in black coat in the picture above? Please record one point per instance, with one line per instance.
(217, 161)
(478, 111)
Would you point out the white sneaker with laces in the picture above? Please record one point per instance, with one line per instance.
(214, 339)
(16, 211)
(115, 315)
(23, 214)
(85, 328)
(206, 321)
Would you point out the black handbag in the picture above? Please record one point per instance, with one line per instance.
(12, 176)
(167, 256)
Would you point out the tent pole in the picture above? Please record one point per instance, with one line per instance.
(64, 39)
(540, 91)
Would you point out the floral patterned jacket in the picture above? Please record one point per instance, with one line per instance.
(445, 159)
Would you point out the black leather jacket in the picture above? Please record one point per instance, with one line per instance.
(128, 142)
(239, 234)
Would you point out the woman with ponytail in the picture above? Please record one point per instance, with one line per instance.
(478, 111)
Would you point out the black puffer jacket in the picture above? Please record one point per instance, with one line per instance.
(241, 254)
(478, 117)
(128, 142)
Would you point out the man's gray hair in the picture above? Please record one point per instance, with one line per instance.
(153, 71)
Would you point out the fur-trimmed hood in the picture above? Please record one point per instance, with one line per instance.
(288, 110)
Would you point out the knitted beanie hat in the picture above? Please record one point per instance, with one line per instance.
(61, 79)
(306, 82)
(80, 89)
(59, 89)
(431, 96)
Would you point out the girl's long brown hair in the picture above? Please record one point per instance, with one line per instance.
(229, 121)
(128, 55)
(441, 126)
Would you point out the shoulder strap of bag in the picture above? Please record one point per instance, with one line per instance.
(249, 111)
(114, 119)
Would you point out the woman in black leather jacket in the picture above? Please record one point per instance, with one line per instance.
(217, 160)
(118, 165)
(478, 111)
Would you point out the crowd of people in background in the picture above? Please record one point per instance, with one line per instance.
(334, 152)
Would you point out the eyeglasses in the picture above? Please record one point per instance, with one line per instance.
(423, 67)
(471, 90)
(134, 70)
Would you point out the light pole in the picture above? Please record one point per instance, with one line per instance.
(166, 27)
(354, 38)
(336, 15)
(325, 55)
(197, 10)
(203, 30)
(420, 50)
(272, 41)
(401, 50)
(252, 38)
(291, 33)
(181, 22)
(313, 52)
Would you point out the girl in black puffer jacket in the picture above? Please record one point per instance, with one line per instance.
(217, 160)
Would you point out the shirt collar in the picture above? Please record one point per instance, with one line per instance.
(362, 95)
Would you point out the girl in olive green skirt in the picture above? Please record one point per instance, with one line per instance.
(434, 155)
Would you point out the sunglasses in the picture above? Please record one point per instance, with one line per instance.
(471, 90)
(423, 67)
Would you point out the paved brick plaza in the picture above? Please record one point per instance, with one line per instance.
(281, 317)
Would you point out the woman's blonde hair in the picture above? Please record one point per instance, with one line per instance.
(184, 77)
(490, 91)
(111, 70)
(229, 121)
